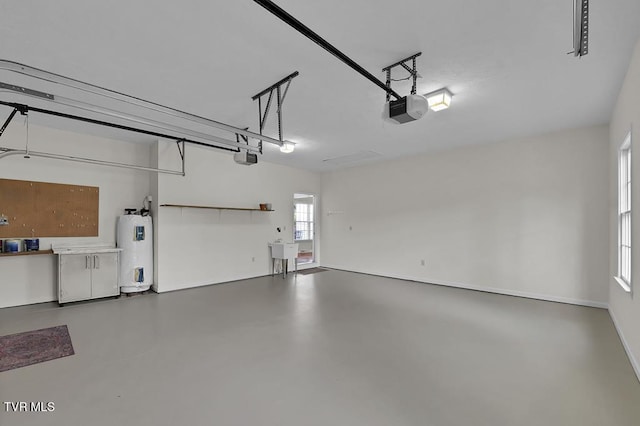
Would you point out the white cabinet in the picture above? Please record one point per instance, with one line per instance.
(87, 275)
(104, 275)
(74, 277)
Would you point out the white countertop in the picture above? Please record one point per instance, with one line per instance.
(84, 250)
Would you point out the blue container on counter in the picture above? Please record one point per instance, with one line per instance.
(12, 246)
(31, 244)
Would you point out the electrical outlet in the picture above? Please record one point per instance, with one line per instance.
(422, 262)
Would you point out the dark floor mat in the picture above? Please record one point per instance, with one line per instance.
(31, 347)
(311, 271)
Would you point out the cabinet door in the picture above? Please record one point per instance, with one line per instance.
(74, 277)
(104, 280)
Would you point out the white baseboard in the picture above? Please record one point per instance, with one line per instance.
(529, 295)
(191, 285)
(634, 362)
(590, 303)
(186, 286)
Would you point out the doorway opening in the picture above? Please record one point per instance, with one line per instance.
(304, 230)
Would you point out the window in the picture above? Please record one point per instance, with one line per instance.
(624, 215)
(303, 221)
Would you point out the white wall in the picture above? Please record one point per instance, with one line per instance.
(624, 307)
(525, 217)
(32, 279)
(193, 247)
(198, 247)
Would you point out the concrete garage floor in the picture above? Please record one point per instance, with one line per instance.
(332, 348)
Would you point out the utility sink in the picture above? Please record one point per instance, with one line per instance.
(284, 250)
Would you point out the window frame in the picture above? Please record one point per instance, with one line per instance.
(309, 222)
(623, 218)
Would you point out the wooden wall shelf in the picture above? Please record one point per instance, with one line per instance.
(214, 207)
(27, 253)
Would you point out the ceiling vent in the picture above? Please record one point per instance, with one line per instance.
(352, 158)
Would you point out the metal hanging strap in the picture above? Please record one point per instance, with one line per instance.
(16, 108)
(280, 97)
(412, 71)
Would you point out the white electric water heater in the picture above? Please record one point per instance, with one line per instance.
(135, 238)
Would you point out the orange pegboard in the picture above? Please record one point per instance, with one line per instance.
(42, 209)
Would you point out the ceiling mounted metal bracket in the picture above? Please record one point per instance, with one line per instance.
(8, 120)
(111, 95)
(26, 153)
(22, 109)
(180, 148)
(280, 97)
(243, 139)
(411, 69)
(580, 27)
(6, 152)
(60, 100)
(27, 108)
(26, 91)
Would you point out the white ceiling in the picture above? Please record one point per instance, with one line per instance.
(505, 61)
